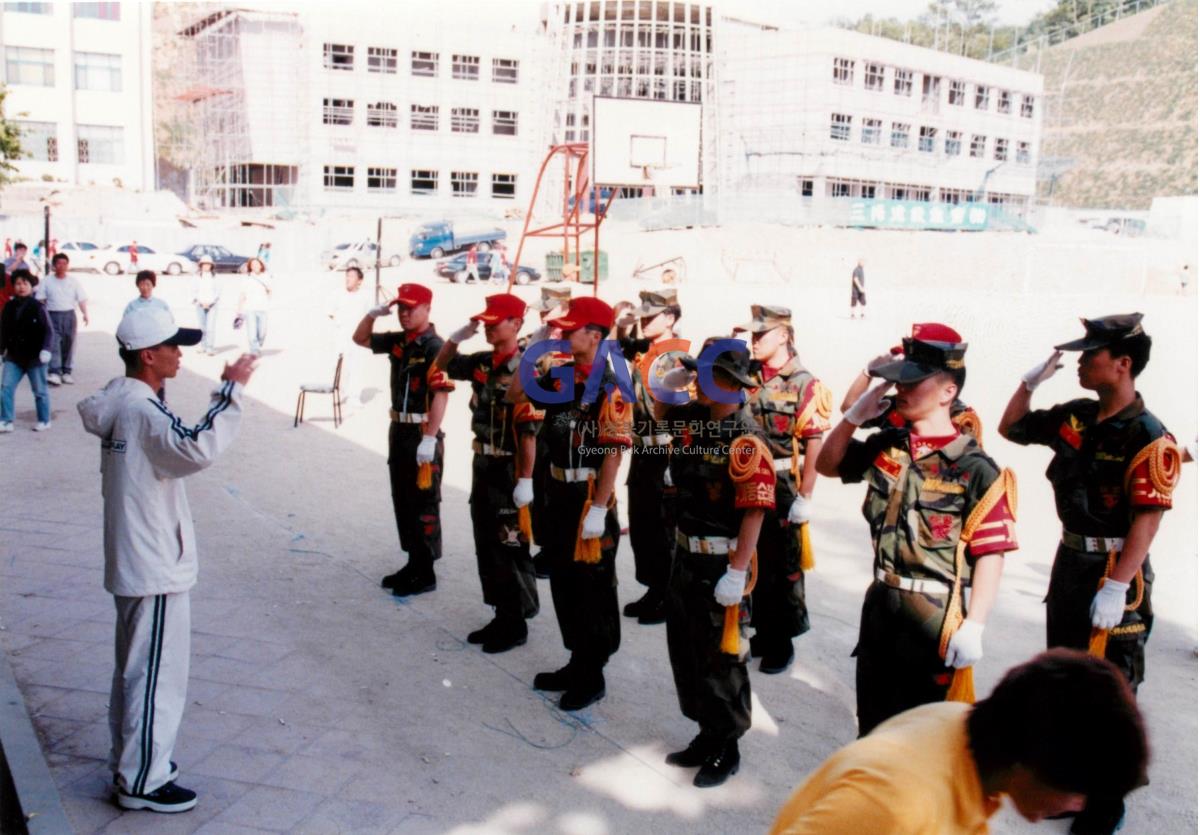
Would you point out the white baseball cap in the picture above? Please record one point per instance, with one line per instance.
(146, 327)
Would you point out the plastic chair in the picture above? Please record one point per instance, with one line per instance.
(322, 388)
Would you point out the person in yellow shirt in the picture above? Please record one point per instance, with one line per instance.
(1057, 730)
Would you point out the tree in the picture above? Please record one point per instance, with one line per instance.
(10, 143)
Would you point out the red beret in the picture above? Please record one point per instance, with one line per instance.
(500, 307)
(585, 310)
(411, 295)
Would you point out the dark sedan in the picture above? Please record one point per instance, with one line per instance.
(224, 261)
(455, 269)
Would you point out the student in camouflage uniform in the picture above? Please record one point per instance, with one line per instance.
(651, 519)
(1113, 472)
(723, 471)
(941, 515)
(792, 407)
(419, 394)
(585, 437)
(501, 473)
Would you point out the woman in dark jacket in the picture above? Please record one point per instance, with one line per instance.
(25, 337)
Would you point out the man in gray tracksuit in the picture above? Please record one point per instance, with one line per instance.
(150, 546)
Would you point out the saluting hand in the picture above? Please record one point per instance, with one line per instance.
(1042, 372)
(381, 310)
(465, 332)
(870, 405)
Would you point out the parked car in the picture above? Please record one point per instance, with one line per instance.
(440, 237)
(455, 269)
(361, 254)
(82, 254)
(114, 260)
(224, 261)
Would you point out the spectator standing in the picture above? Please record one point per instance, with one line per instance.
(254, 303)
(472, 265)
(25, 336)
(264, 252)
(146, 281)
(499, 267)
(16, 259)
(858, 290)
(62, 293)
(133, 256)
(206, 295)
(149, 546)
(353, 302)
(8, 249)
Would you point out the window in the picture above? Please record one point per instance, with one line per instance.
(423, 182)
(839, 188)
(464, 120)
(339, 56)
(339, 177)
(868, 191)
(504, 186)
(978, 146)
(873, 77)
(425, 63)
(97, 11)
(806, 188)
(504, 70)
(504, 122)
(381, 179)
(465, 67)
(839, 127)
(338, 112)
(902, 86)
(29, 8)
(927, 139)
(922, 194)
(383, 114)
(900, 132)
(1023, 155)
(1003, 101)
(100, 144)
(958, 92)
(895, 192)
(464, 183)
(1027, 107)
(26, 65)
(1001, 151)
(40, 140)
(872, 130)
(423, 117)
(953, 143)
(982, 96)
(98, 71)
(381, 59)
(843, 71)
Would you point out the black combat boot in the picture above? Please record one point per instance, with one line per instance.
(719, 766)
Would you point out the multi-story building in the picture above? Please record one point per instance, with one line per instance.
(78, 78)
(831, 115)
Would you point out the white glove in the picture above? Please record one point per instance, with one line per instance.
(966, 645)
(465, 332)
(426, 449)
(870, 405)
(678, 378)
(798, 513)
(523, 492)
(1042, 372)
(1108, 606)
(380, 310)
(627, 319)
(44, 357)
(540, 334)
(728, 590)
(593, 523)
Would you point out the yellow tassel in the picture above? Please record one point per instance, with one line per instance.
(1098, 645)
(962, 686)
(586, 550)
(424, 476)
(731, 637)
(525, 523)
(807, 561)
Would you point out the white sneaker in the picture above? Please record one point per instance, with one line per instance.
(54, 379)
(41, 427)
(68, 379)
(6, 427)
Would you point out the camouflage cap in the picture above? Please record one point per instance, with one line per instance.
(765, 317)
(1105, 331)
(551, 298)
(656, 301)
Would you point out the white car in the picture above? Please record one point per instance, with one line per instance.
(114, 260)
(82, 254)
(360, 254)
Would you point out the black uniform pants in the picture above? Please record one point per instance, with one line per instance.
(417, 511)
(780, 610)
(501, 552)
(584, 594)
(898, 662)
(651, 518)
(713, 686)
(538, 510)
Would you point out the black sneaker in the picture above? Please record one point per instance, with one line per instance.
(554, 682)
(697, 751)
(584, 691)
(172, 775)
(481, 635)
(506, 636)
(391, 581)
(412, 585)
(167, 798)
(777, 659)
(719, 767)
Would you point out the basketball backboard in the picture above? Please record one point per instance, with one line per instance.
(645, 142)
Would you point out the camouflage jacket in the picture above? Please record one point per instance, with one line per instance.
(791, 404)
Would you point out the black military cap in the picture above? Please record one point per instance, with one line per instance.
(933, 347)
(1105, 331)
(734, 362)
